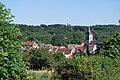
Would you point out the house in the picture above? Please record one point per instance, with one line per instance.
(60, 50)
(30, 45)
(67, 52)
(76, 47)
(53, 48)
(26, 46)
(79, 48)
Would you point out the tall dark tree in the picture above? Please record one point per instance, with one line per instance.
(119, 22)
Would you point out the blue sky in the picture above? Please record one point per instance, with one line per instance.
(75, 12)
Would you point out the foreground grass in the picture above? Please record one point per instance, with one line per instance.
(39, 75)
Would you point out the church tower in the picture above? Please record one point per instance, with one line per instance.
(89, 35)
(89, 39)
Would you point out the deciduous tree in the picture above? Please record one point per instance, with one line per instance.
(11, 64)
(111, 47)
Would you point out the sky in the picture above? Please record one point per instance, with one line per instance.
(75, 12)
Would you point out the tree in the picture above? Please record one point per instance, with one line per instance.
(119, 22)
(11, 63)
(5, 15)
(57, 59)
(68, 70)
(39, 58)
(111, 47)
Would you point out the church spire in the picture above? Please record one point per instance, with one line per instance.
(89, 30)
(89, 35)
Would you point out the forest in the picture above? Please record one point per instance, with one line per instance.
(61, 34)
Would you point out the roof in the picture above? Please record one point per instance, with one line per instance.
(61, 50)
(67, 51)
(91, 47)
(80, 48)
(29, 43)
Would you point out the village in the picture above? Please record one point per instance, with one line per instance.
(59, 40)
(88, 46)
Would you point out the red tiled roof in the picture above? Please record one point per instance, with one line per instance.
(67, 51)
(29, 43)
(80, 48)
(60, 50)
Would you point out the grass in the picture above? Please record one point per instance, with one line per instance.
(39, 75)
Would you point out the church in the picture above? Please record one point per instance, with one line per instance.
(90, 45)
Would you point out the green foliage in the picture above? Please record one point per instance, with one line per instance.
(105, 68)
(57, 59)
(39, 58)
(68, 70)
(80, 67)
(11, 64)
(85, 66)
(111, 47)
(56, 34)
(5, 15)
(104, 30)
(39, 75)
(89, 68)
(106, 65)
(59, 34)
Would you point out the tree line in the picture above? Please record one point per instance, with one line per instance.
(60, 34)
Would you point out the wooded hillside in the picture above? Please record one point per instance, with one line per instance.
(60, 34)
